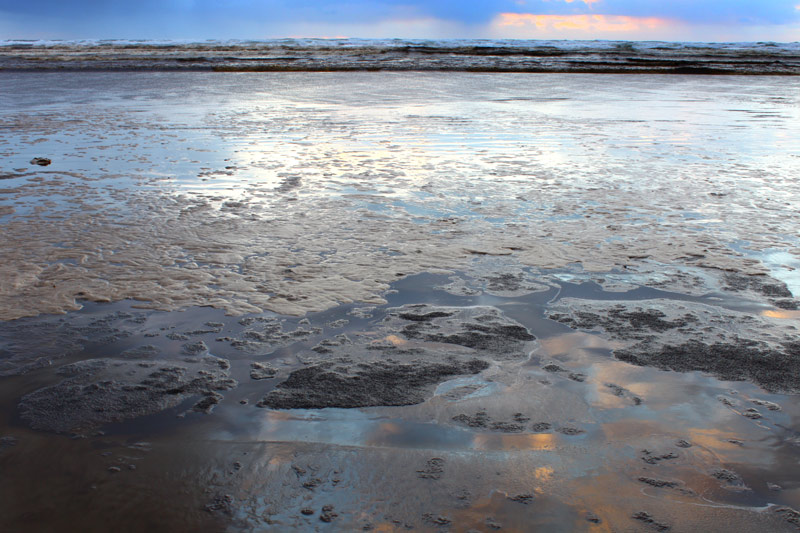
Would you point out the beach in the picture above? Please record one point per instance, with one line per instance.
(243, 296)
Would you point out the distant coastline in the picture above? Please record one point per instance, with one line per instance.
(467, 55)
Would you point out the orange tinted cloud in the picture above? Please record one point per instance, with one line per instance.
(598, 23)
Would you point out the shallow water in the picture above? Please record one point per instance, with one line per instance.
(370, 463)
(267, 215)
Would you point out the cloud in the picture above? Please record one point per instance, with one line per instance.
(532, 24)
(246, 19)
(408, 28)
(587, 2)
(732, 12)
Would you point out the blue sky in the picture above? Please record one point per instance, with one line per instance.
(701, 20)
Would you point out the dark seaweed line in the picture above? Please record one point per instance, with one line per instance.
(530, 69)
(416, 58)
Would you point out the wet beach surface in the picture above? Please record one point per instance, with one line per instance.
(534, 437)
(254, 305)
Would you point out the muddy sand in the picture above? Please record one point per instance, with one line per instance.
(430, 302)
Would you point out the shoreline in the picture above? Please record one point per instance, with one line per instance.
(354, 55)
(675, 71)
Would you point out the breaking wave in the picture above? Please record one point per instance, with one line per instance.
(398, 54)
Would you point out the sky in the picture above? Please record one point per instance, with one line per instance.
(668, 20)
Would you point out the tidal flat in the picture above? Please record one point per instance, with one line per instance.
(379, 301)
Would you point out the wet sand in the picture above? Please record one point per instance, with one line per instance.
(535, 439)
(476, 307)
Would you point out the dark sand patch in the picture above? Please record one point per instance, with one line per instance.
(415, 348)
(266, 334)
(141, 352)
(482, 328)
(730, 480)
(645, 518)
(261, 371)
(434, 469)
(685, 337)
(481, 420)
(773, 369)
(666, 484)
(100, 391)
(29, 344)
(365, 384)
(776, 291)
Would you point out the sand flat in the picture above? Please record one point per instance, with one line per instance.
(441, 301)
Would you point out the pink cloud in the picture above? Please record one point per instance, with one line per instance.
(584, 23)
(587, 2)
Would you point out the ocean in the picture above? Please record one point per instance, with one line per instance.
(399, 54)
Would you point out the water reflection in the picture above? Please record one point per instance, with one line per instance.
(782, 313)
(569, 343)
(495, 442)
